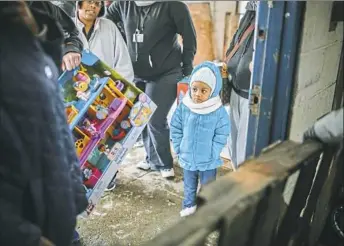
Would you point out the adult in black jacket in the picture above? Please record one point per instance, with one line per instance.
(151, 29)
(66, 6)
(72, 44)
(238, 64)
(40, 182)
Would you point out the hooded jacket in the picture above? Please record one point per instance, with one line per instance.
(160, 24)
(198, 137)
(107, 43)
(238, 66)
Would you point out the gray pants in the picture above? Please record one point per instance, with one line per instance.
(239, 112)
(156, 136)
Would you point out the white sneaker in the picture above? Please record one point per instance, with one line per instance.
(143, 165)
(167, 173)
(188, 211)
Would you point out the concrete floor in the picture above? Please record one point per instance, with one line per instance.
(142, 205)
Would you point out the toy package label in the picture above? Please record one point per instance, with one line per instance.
(106, 114)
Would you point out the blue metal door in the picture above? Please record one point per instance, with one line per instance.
(277, 35)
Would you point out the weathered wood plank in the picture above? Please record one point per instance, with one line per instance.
(246, 205)
(290, 223)
(326, 199)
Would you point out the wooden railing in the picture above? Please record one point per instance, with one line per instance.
(248, 207)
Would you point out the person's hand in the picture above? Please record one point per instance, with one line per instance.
(45, 242)
(251, 66)
(70, 61)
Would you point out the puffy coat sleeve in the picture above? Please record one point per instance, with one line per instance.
(176, 129)
(221, 133)
(328, 129)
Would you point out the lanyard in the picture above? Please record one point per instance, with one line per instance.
(140, 25)
(143, 16)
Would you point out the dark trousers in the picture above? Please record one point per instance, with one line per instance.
(156, 136)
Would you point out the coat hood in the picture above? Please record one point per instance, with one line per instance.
(202, 71)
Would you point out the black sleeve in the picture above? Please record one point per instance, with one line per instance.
(66, 6)
(185, 27)
(72, 41)
(113, 13)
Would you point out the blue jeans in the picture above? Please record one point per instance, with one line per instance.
(191, 183)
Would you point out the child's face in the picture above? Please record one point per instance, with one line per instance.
(200, 92)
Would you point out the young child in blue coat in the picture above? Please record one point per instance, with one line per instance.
(199, 131)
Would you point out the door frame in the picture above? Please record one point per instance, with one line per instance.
(277, 41)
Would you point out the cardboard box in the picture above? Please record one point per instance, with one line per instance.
(106, 114)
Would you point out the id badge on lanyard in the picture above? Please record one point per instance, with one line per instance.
(138, 36)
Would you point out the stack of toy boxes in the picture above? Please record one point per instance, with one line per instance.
(106, 114)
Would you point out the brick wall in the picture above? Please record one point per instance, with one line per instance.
(317, 68)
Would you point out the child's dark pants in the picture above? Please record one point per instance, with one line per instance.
(191, 184)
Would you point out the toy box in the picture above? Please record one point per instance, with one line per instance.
(106, 114)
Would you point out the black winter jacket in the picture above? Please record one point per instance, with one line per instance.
(40, 182)
(161, 22)
(72, 43)
(238, 66)
(66, 6)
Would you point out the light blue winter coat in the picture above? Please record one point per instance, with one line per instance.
(198, 139)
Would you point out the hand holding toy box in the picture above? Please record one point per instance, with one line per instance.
(106, 114)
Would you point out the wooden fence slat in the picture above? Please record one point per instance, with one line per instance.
(238, 222)
(245, 206)
(290, 223)
(267, 217)
(309, 209)
(326, 199)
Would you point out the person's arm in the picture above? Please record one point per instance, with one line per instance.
(328, 129)
(221, 134)
(113, 13)
(176, 129)
(185, 27)
(122, 62)
(73, 46)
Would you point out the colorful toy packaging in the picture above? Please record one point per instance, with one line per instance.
(106, 114)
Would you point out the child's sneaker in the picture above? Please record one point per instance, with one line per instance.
(188, 211)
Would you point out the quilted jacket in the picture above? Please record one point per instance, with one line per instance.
(198, 139)
(41, 190)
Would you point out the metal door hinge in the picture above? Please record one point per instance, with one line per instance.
(255, 100)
